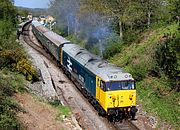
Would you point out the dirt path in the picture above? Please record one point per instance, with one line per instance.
(38, 115)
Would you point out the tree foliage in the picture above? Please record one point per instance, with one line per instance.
(12, 55)
(168, 59)
(7, 10)
(82, 17)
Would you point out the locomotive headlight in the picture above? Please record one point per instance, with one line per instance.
(110, 95)
(131, 96)
(134, 93)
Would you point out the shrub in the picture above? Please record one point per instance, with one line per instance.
(6, 29)
(167, 58)
(10, 82)
(111, 50)
(8, 122)
(17, 60)
(26, 68)
(114, 45)
(138, 71)
(76, 40)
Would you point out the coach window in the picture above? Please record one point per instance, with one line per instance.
(103, 85)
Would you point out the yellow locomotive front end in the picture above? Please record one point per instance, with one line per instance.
(117, 97)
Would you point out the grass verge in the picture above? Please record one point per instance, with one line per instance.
(63, 111)
(165, 106)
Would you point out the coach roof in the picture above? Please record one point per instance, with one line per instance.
(55, 38)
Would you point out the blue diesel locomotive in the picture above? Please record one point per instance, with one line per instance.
(109, 89)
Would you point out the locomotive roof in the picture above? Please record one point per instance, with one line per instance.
(80, 54)
(55, 38)
(96, 65)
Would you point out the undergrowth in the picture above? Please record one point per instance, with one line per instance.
(157, 100)
(10, 83)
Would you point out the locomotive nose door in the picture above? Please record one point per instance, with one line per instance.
(98, 88)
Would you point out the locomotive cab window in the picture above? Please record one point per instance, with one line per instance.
(120, 85)
(103, 85)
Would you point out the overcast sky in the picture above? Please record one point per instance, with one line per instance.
(32, 3)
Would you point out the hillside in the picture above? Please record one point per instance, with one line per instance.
(154, 89)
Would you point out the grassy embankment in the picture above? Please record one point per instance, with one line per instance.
(10, 83)
(155, 92)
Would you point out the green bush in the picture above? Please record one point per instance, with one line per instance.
(6, 29)
(167, 58)
(111, 50)
(11, 82)
(131, 36)
(8, 122)
(114, 46)
(76, 40)
(94, 50)
(25, 67)
(138, 71)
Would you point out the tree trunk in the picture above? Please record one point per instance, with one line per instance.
(120, 30)
(149, 19)
(68, 27)
(75, 26)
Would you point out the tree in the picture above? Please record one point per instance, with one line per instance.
(174, 7)
(125, 11)
(7, 10)
(66, 12)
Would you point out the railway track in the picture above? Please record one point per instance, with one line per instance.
(31, 43)
(39, 48)
(125, 125)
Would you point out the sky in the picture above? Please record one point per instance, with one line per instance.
(32, 3)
